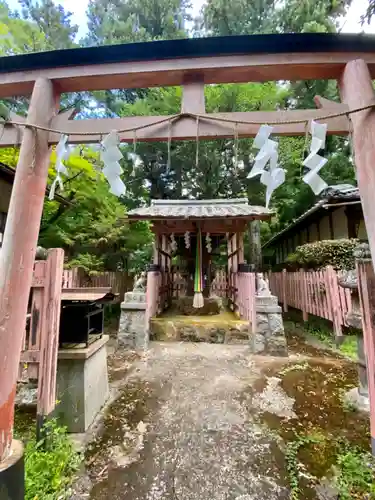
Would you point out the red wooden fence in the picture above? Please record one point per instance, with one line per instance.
(153, 296)
(313, 292)
(246, 289)
(366, 288)
(41, 339)
(219, 285)
(120, 281)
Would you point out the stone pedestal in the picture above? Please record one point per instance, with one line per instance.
(133, 332)
(12, 474)
(270, 336)
(82, 385)
(359, 396)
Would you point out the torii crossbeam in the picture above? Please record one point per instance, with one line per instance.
(191, 63)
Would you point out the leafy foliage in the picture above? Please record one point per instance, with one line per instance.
(18, 36)
(50, 465)
(112, 22)
(216, 175)
(89, 229)
(52, 20)
(291, 458)
(355, 474)
(369, 13)
(336, 253)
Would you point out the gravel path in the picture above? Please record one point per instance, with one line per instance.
(197, 436)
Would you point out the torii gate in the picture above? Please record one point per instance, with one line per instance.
(191, 63)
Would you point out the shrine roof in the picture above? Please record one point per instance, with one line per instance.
(200, 209)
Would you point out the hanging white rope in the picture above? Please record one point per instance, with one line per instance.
(187, 239)
(110, 155)
(208, 243)
(174, 245)
(314, 161)
(62, 153)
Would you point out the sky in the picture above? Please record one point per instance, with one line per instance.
(351, 23)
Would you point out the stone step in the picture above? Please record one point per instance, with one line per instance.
(199, 329)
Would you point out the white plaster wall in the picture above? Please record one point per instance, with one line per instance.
(340, 223)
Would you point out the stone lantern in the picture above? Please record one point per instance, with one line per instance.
(359, 396)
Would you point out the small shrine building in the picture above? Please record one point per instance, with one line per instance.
(195, 238)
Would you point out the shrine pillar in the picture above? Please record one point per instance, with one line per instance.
(16, 269)
(356, 90)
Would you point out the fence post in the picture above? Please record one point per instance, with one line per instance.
(335, 303)
(283, 284)
(366, 289)
(303, 290)
(49, 344)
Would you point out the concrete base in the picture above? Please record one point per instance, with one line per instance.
(270, 336)
(12, 474)
(359, 401)
(133, 332)
(82, 385)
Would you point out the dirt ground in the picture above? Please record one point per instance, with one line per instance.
(211, 422)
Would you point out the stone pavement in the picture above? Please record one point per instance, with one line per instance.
(193, 433)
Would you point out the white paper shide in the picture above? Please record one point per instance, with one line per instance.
(111, 155)
(315, 162)
(268, 153)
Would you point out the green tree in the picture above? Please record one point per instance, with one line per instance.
(239, 17)
(111, 21)
(18, 36)
(369, 12)
(93, 230)
(216, 175)
(53, 21)
(92, 226)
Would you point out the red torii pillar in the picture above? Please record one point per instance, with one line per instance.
(356, 91)
(17, 259)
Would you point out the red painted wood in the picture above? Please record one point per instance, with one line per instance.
(315, 292)
(366, 288)
(152, 295)
(305, 315)
(50, 325)
(19, 247)
(356, 89)
(285, 303)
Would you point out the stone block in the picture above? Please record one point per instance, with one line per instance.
(133, 332)
(135, 298)
(275, 345)
(258, 343)
(359, 401)
(262, 323)
(270, 337)
(82, 385)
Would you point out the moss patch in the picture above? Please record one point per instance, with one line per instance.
(324, 427)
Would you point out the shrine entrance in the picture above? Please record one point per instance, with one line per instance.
(192, 64)
(199, 271)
